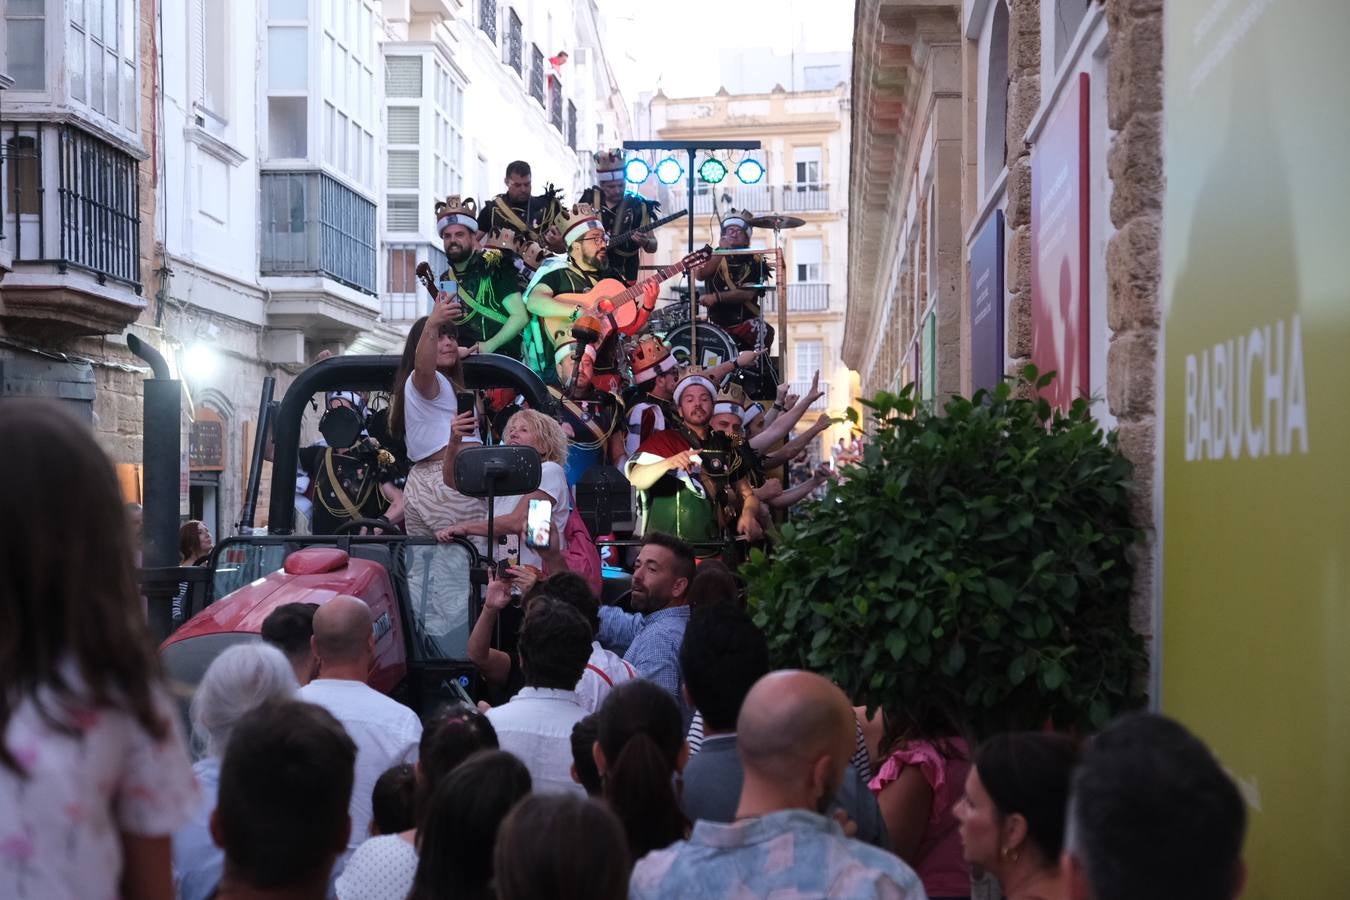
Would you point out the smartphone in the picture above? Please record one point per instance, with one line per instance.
(538, 524)
(450, 285)
(465, 400)
(510, 549)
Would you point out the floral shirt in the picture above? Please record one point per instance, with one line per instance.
(60, 825)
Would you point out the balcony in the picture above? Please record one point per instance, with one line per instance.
(318, 257)
(72, 229)
(757, 198)
(802, 388)
(487, 19)
(555, 106)
(315, 225)
(404, 299)
(537, 74)
(571, 125)
(803, 296)
(804, 197)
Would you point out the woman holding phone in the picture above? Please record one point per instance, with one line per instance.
(426, 412)
(527, 428)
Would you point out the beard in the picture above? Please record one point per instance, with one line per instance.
(458, 253)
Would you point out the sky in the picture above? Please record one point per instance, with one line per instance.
(676, 44)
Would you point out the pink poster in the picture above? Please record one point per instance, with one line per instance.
(1059, 248)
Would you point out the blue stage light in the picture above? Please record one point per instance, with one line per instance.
(635, 171)
(749, 171)
(669, 170)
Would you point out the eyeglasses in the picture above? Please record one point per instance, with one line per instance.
(598, 237)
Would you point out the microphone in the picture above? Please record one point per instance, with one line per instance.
(585, 330)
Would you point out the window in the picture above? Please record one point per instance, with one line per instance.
(287, 134)
(347, 82)
(806, 258)
(449, 137)
(26, 44)
(806, 165)
(401, 214)
(312, 223)
(101, 58)
(537, 73)
(996, 98)
(513, 49)
(403, 77)
(402, 270)
(23, 175)
(571, 125)
(287, 80)
(807, 356)
(1068, 15)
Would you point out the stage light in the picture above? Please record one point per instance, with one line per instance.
(749, 171)
(712, 171)
(635, 171)
(669, 170)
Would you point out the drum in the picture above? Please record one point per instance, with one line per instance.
(669, 317)
(759, 381)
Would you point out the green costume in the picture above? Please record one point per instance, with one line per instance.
(484, 283)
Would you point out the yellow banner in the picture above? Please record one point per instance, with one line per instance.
(1256, 522)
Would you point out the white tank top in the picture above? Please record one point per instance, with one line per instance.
(426, 423)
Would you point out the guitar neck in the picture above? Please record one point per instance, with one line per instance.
(650, 227)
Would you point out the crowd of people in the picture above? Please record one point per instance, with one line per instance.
(709, 447)
(645, 754)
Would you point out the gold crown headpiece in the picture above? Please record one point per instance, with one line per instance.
(650, 358)
(609, 165)
(456, 210)
(577, 220)
(731, 399)
(739, 217)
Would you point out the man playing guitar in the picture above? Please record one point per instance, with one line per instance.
(621, 212)
(516, 209)
(729, 293)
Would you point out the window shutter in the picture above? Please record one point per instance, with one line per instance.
(404, 125)
(402, 214)
(403, 77)
(403, 169)
(197, 48)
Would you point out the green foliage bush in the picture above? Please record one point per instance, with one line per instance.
(979, 557)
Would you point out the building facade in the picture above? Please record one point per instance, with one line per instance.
(805, 156)
(244, 185)
(1006, 193)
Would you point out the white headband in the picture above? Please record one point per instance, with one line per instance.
(569, 348)
(752, 412)
(581, 228)
(691, 380)
(735, 220)
(446, 221)
(727, 406)
(612, 175)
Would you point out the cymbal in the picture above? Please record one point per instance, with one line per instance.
(776, 222)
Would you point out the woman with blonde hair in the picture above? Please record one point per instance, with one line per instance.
(527, 428)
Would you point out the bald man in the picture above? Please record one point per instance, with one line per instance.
(795, 734)
(386, 732)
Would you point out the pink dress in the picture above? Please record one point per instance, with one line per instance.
(939, 862)
(60, 825)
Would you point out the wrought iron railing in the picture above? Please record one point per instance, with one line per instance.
(514, 48)
(314, 224)
(537, 73)
(487, 18)
(555, 106)
(805, 197)
(404, 298)
(571, 125)
(803, 296)
(723, 198)
(89, 218)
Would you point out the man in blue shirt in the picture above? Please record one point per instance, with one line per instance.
(661, 578)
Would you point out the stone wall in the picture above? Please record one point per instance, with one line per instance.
(1133, 262)
(1024, 97)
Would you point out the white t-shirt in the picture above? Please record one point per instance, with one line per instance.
(552, 481)
(426, 423)
(385, 732)
(59, 827)
(383, 868)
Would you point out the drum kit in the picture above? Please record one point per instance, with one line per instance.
(702, 344)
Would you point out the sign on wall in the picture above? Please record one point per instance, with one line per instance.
(986, 306)
(1059, 247)
(206, 441)
(1256, 499)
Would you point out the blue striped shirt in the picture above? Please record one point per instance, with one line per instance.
(655, 651)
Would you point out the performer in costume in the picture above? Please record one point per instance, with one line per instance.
(353, 475)
(516, 209)
(693, 482)
(591, 418)
(488, 286)
(621, 211)
(732, 304)
(655, 375)
(587, 264)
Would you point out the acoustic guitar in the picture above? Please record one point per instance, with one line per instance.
(613, 304)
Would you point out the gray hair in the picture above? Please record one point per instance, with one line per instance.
(237, 682)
